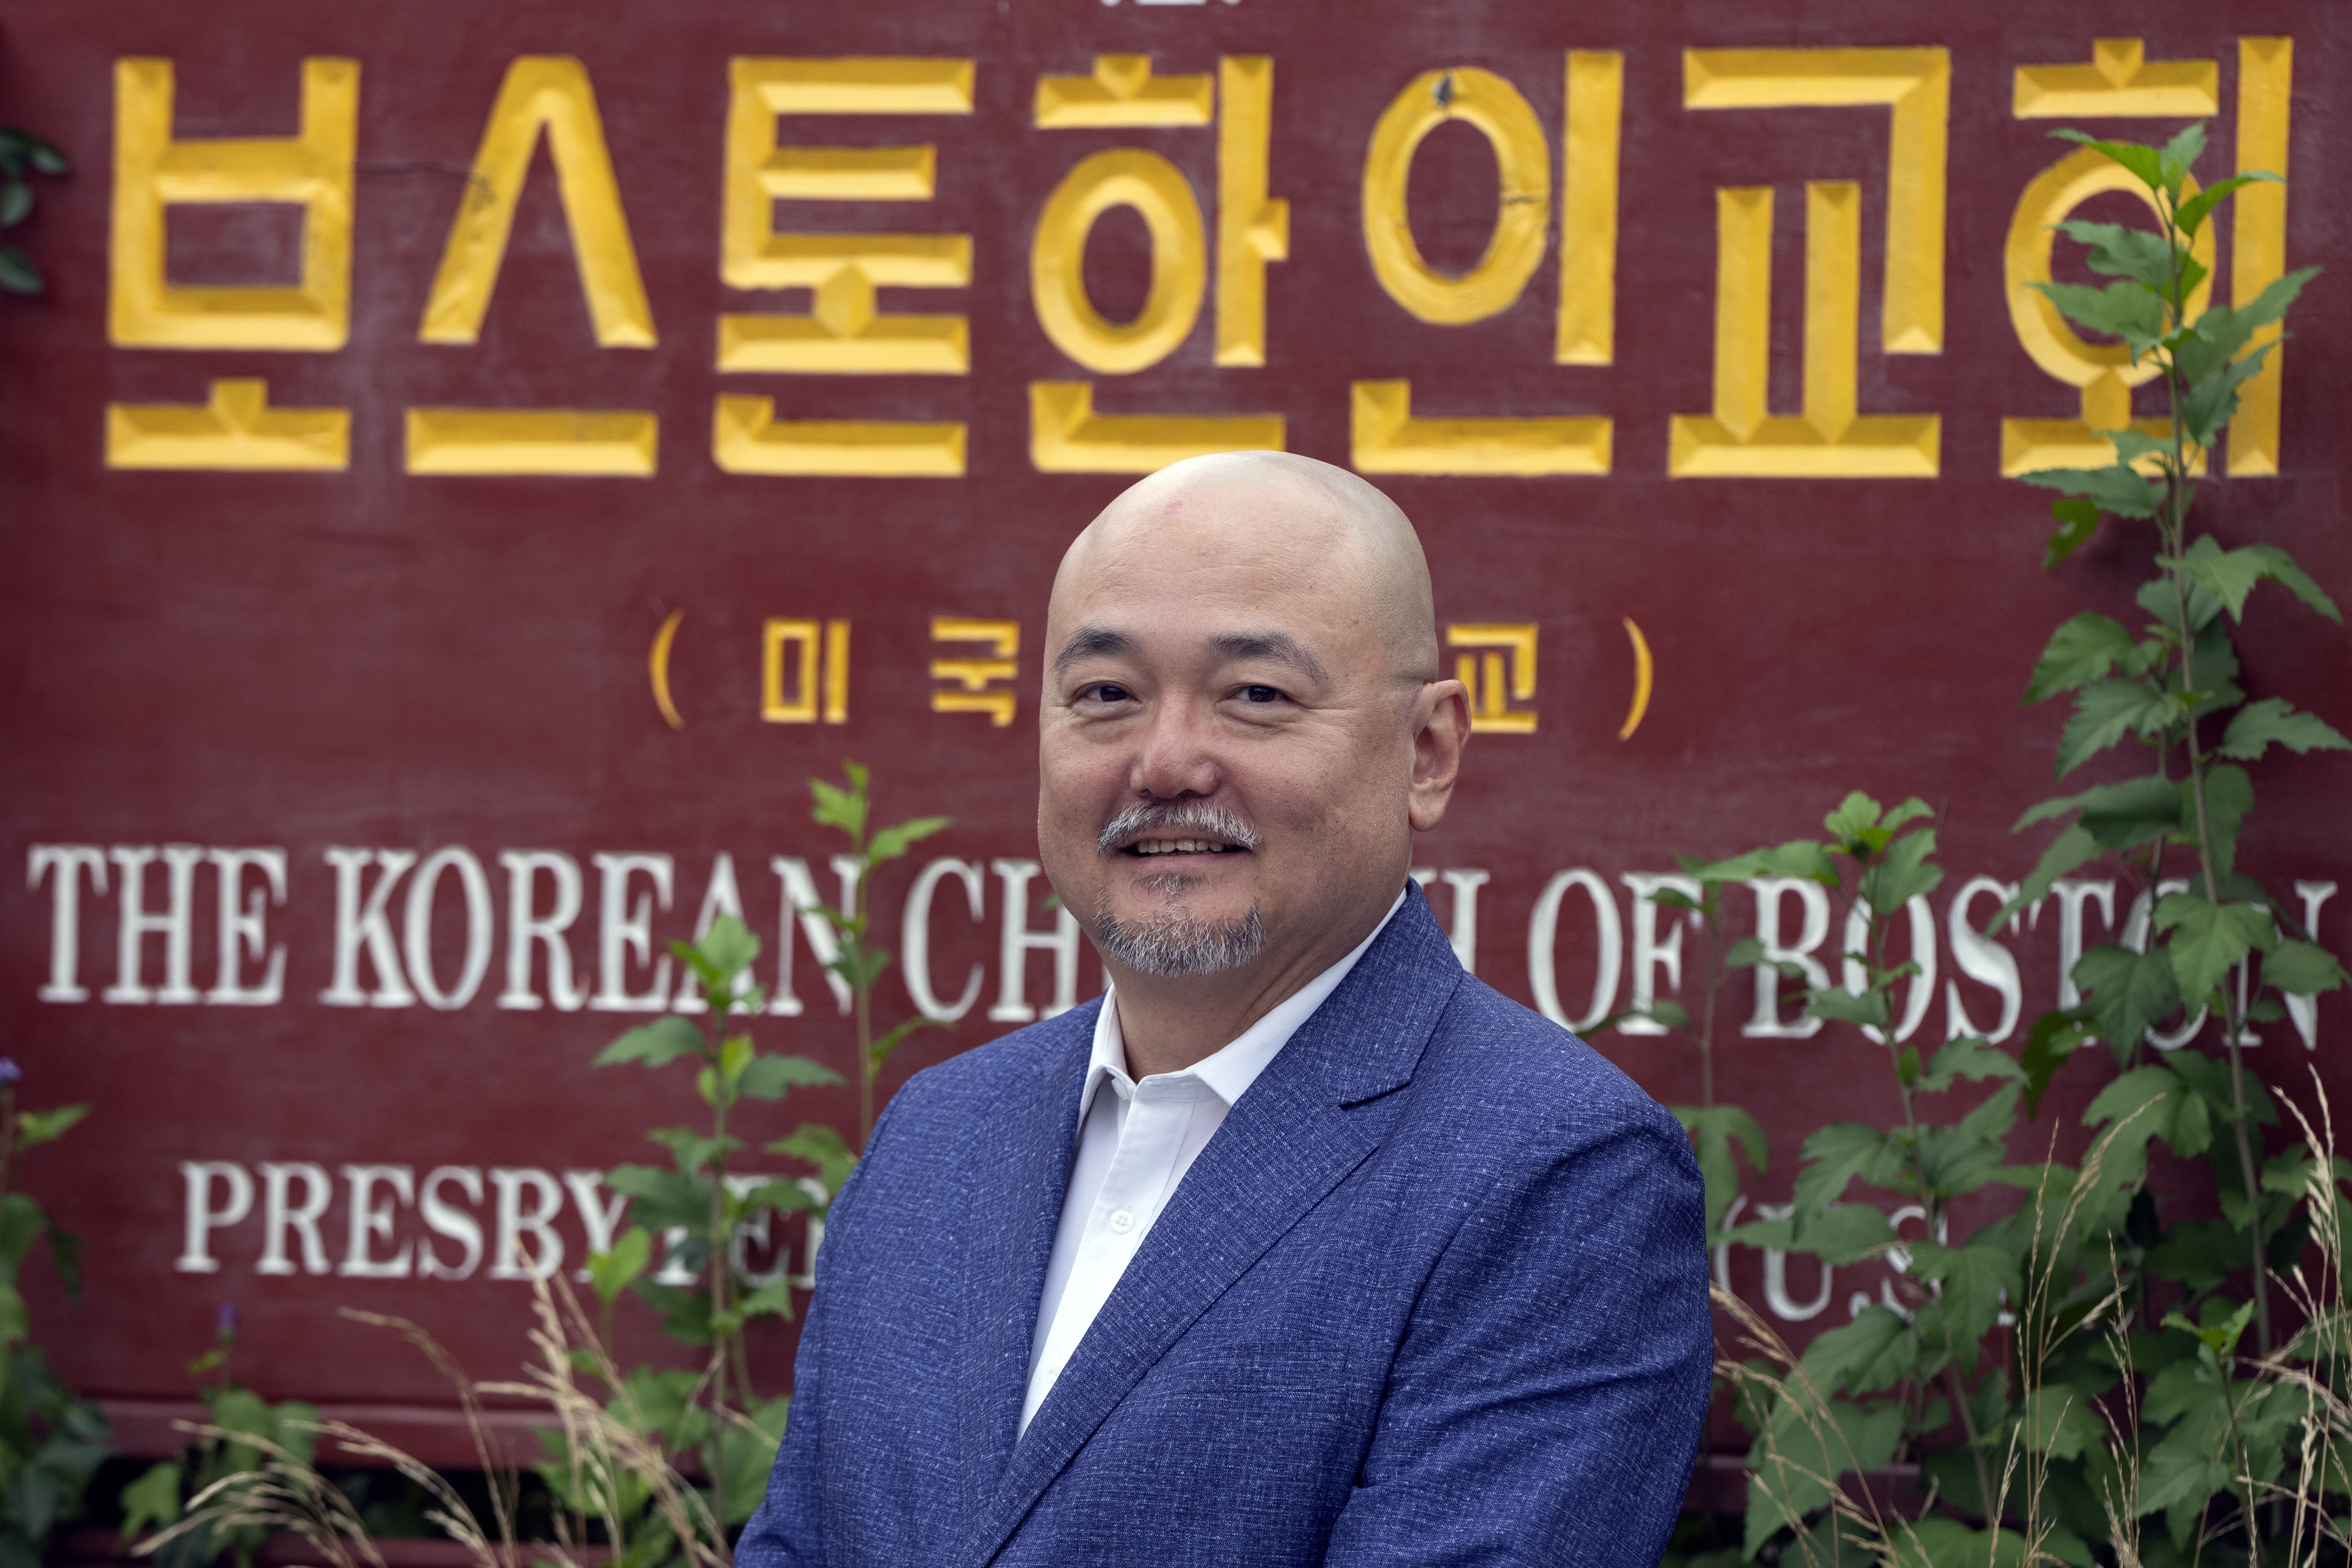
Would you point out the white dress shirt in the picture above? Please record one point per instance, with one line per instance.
(1135, 1145)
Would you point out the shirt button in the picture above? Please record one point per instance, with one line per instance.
(1121, 1221)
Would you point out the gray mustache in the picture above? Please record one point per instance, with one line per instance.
(1196, 818)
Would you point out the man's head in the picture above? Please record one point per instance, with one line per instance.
(1243, 718)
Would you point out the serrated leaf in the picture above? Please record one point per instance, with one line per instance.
(2117, 490)
(2117, 816)
(34, 1127)
(654, 1045)
(2229, 795)
(892, 842)
(1855, 815)
(1843, 1234)
(2128, 992)
(837, 807)
(2082, 651)
(1713, 1130)
(2279, 567)
(612, 1271)
(767, 1078)
(2054, 1037)
(17, 273)
(2254, 728)
(2180, 155)
(1873, 1352)
(2144, 163)
(2302, 969)
(2208, 940)
(2104, 712)
(1835, 1157)
(2221, 333)
(2212, 403)
(1868, 1009)
(2079, 519)
(2069, 851)
(2117, 251)
(1905, 874)
(2130, 311)
(1968, 1057)
(730, 947)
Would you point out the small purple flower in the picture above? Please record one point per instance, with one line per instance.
(9, 1071)
(225, 1320)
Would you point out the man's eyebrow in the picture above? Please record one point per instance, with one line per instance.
(1089, 641)
(1279, 646)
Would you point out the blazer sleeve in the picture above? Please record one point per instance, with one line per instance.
(787, 1530)
(1546, 1403)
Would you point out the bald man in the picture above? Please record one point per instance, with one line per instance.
(1301, 1246)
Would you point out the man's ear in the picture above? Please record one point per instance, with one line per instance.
(1441, 727)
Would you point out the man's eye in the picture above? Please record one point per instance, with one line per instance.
(1105, 691)
(1260, 694)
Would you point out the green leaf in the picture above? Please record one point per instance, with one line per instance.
(2213, 402)
(1855, 815)
(2254, 728)
(2083, 650)
(2180, 155)
(2229, 795)
(2054, 1037)
(2128, 992)
(1905, 874)
(34, 1127)
(1868, 1009)
(655, 1044)
(821, 1147)
(2104, 712)
(2117, 490)
(17, 273)
(693, 1151)
(614, 1271)
(2118, 815)
(1713, 1130)
(2144, 163)
(767, 1078)
(2081, 520)
(2300, 969)
(665, 1199)
(1843, 1234)
(2117, 251)
(152, 1499)
(837, 807)
(2069, 851)
(15, 201)
(1835, 1157)
(2280, 568)
(1804, 1447)
(2130, 311)
(729, 947)
(2208, 940)
(1970, 1058)
(1875, 1350)
(892, 842)
(2221, 333)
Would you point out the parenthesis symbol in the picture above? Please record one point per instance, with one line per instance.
(657, 664)
(1642, 676)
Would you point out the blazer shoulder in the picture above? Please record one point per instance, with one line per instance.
(1493, 1058)
(1009, 1064)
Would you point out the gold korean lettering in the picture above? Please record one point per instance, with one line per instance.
(2258, 240)
(2119, 82)
(976, 679)
(1503, 672)
(152, 171)
(236, 428)
(1587, 328)
(820, 667)
(1066, 433)
(546, 95)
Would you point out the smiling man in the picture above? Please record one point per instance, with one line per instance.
(1302, 1245)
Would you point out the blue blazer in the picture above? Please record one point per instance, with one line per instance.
(1434, 1294)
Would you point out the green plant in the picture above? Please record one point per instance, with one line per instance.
(22, 155)
(859, 963)
(50, 1442)
(243, 1427)
(697, 1207)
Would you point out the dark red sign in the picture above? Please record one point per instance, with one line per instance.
(473, 465)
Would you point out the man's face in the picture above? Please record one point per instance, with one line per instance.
(1225, 705)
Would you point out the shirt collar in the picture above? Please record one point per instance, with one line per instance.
(1231, 1069)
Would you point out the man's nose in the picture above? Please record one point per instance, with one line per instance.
(1177, 755)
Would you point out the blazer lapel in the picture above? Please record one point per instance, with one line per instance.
(1284, 1146)
(1014, 1203)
